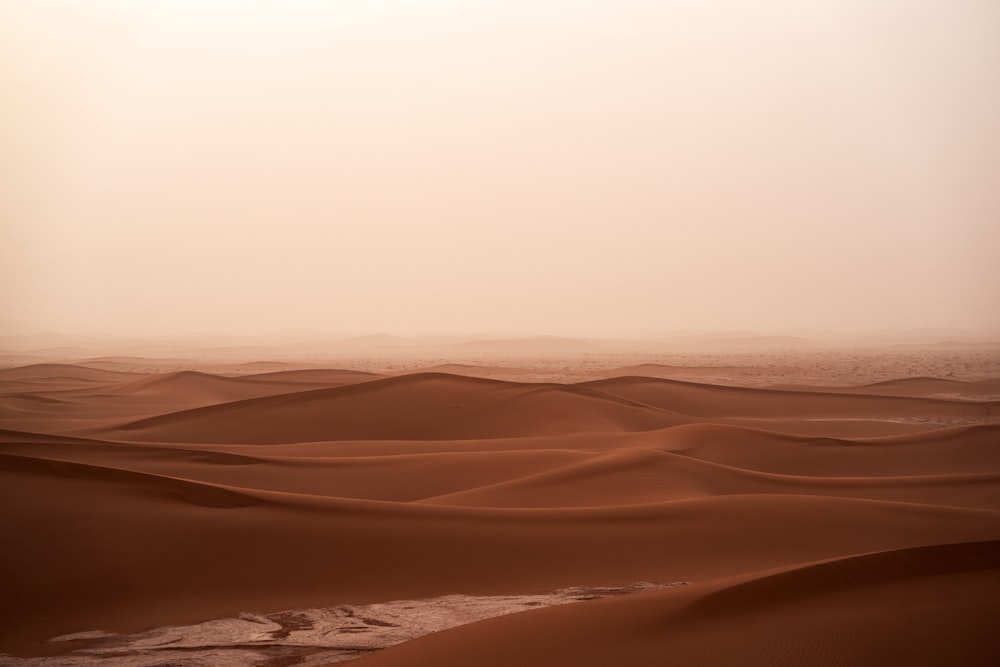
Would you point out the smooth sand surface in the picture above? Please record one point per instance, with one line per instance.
(823, 526)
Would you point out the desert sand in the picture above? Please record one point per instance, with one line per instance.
(213, 513)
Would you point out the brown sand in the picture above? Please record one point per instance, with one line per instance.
(856, 525)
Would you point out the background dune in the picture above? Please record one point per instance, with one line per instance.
(425, 406)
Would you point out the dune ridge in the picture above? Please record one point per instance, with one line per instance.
(703, 400)
(862, 571)
(423, 406)
(136, 501)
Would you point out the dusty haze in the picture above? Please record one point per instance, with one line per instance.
(594, 168)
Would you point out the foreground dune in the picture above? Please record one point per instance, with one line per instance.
(911, 606)
(816, 526)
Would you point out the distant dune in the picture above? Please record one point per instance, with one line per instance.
(325, 376)
(824, 526)
(666, 371)
(921, 386)
(59, 372)
(425, 406)
(714, 401)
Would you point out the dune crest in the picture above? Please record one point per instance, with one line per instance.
(817, 525)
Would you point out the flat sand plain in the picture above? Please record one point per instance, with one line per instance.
(819, 507)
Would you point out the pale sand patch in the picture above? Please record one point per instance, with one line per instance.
(303, 637)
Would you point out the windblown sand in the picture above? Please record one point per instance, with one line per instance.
(141, 512)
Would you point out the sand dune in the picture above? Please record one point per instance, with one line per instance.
(125, 508)
(473, 370)
(637, 476)
(209, 549)
(957, 450)
(425, 406)
(729, 375)
(96, 397)
(717, 401)
(60, 372)
(878, 609)
(921, 386)
(814, 412)
(666, 371)
(330, 377)
(200, 388)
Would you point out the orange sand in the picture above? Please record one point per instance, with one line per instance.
(857, 525)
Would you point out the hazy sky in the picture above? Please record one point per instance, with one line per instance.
(536, 166)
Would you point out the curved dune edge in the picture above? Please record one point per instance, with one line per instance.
(566, 490)
(440, 406)
(422, 406)
(907, 606)
(57, 371)
(197, 407)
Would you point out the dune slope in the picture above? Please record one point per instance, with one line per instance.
(878, 609)
(130, 502)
